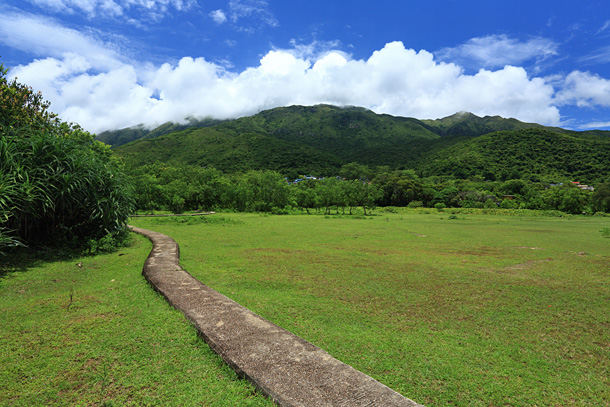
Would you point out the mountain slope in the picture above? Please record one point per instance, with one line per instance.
(330, 122)
(307, 138)
(320, 139)
(229, 152)
(469, 125)
(528, 153)
(117, 138)
(352, 134)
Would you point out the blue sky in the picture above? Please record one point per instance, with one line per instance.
(108, 64)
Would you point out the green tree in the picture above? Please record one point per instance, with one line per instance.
(304, 194)
(355, 170)
(367, 195)
(566, 198)
(600, 199)
(327, 193)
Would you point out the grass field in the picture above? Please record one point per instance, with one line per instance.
(464, 310)
(98, 335)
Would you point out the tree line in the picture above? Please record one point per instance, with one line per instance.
(179, 188)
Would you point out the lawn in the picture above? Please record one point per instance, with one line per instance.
(90, 331)
(463, 310)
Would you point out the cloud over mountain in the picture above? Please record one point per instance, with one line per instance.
(394, 80)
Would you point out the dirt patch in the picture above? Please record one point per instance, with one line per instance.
(479, 251)
(277, 250)
(529, 248)
(527, 265)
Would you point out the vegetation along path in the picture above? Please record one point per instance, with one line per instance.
(285, 367)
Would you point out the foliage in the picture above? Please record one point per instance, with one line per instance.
(191, 188)
(600, 200)
(532, 154)
(440, 207)
(57, 185)
(355, 143)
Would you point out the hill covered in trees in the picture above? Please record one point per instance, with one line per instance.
(320, 139)
(534, 154)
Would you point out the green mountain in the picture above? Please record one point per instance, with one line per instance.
(306, 139)
(469, 125)
(320, 139)
(351, 134)
(229, 151)
(530, 153)
(117, 138)
(330, 121)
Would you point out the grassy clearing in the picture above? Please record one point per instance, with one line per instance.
(482, 310)
(98, 335)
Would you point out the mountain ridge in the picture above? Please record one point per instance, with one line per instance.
(321, 139)
(460, 123)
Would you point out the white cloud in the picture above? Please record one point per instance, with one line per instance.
(43, 37)
(114, 8)
(604, 27)
(599, 56)
(218, 16)
(496, 51)
(393, 80)
(594, 125)
(313, 50)
(585, 90)
(255, 10)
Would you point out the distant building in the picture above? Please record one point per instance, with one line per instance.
(583, 186)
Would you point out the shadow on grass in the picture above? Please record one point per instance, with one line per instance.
(22, 259)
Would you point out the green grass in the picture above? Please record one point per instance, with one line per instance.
(482, 310)
(99, 335)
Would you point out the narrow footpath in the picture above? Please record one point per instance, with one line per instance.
(283, 366)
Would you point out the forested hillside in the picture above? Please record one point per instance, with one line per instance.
(533, 154)
(319, 140)
(369, 160)
(117, 138)
(230, 151)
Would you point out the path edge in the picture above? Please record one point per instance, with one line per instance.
(164, 260)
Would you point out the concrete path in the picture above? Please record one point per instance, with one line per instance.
(286, 368)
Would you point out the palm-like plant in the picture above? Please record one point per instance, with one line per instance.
(57, 185)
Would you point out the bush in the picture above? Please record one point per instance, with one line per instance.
(440, 206)
(57, 185)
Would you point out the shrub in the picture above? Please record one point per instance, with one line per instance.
(440, 206)
(57, 185)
